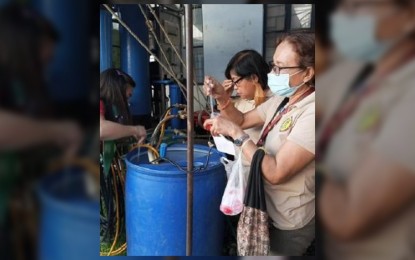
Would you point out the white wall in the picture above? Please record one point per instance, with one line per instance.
(228, 29)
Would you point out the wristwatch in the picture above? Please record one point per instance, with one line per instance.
(239, 141)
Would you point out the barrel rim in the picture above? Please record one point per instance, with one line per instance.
(47, 200)
(176, 172)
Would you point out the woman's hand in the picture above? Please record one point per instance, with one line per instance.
(139, 132)
(228, 85)
(68, 136)
(213, 88)
(220, 125)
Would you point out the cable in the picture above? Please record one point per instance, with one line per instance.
(163, 128)
(160, 124)
(182, 87)
(151, 29)
(166, 35)
(117, 212)
(183, 169)
(156, 153)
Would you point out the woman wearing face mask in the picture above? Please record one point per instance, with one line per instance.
(367, 200)
(288, 137)
(115, 89)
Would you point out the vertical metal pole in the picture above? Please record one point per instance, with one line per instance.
(189, 83)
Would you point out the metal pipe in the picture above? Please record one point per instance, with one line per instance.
(189, 83)
(176, 12)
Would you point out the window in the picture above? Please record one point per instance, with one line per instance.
(282, 18)
(301, 16)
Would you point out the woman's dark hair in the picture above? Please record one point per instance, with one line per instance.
(112, 88)
(22, 31)
(303, 44)
(247, 63)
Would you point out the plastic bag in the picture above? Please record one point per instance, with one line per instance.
(233, 197)
(228, 164)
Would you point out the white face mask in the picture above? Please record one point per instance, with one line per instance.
(280, 84)
(355, 37)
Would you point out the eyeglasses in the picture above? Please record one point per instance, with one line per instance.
(277, 69)
(234, 83)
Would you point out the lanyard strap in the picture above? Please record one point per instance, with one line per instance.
(278, 115)
(349, 106)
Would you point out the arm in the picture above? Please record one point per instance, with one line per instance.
(291, 157)
(374, 194)
(20, 132)
(109, 130)
(278, 169)
(381, 186)
(228, 111)
(244, 120)
(295, 154)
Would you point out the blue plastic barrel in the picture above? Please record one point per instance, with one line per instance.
(69, 221)
(135, 59)
(176, 97)
(156, 204)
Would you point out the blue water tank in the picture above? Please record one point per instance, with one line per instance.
(105, 40)
(69, 221)
(155, 203)
(135, 60)
(68, 73)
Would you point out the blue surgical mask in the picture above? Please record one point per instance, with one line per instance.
(354, 36)
(280, 84)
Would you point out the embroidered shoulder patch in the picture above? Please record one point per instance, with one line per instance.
(286, 124)
(369, 120)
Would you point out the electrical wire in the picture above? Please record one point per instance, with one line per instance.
(160, 124)
(198, 169)
(117, 212)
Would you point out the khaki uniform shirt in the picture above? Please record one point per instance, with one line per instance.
(245, 105)
(291, 205)
(384, 123)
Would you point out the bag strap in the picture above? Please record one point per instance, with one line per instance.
(255, 194)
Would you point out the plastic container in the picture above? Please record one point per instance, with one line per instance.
(156, 204)
(69, 220)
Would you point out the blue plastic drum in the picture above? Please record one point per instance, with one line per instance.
(156, 203)
(69, 221)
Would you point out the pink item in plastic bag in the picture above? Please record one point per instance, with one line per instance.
(233, 197)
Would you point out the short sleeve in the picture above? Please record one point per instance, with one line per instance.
(264, 109)
(101, 108)
(396, 138)
(303, 132)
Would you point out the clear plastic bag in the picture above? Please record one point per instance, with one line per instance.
(233, 197)
(228, 164)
